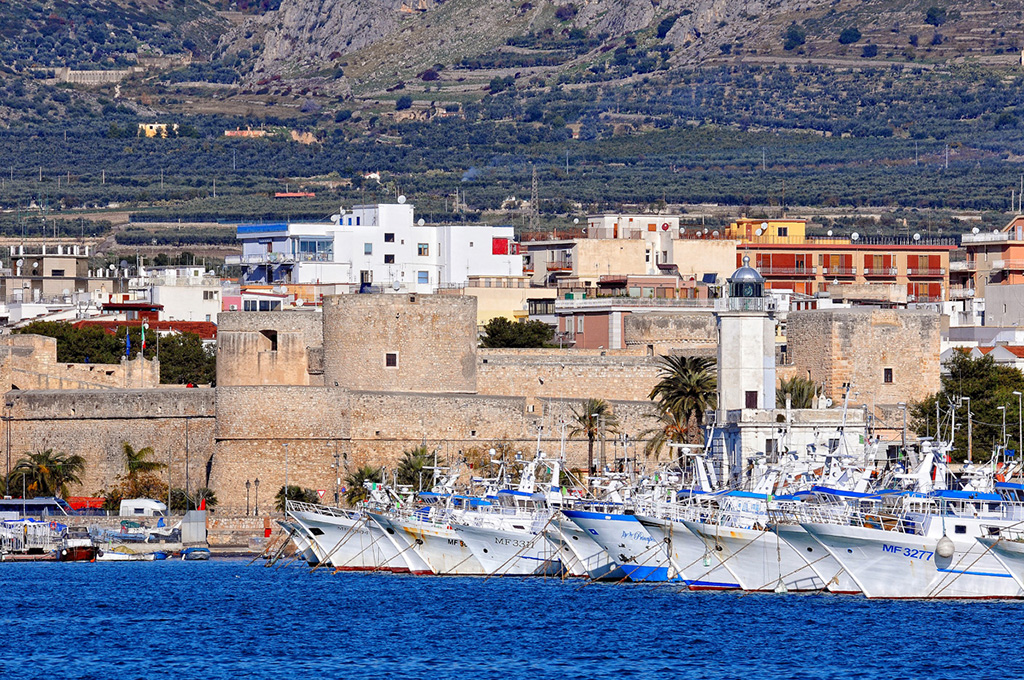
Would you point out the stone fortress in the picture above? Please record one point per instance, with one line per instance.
(371, 375)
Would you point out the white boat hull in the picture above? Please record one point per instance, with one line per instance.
(1010, 554)
(440, 547)
(406, 557)
(510, 552)
(836, 578)
(689, 556)
(892, 564)
(581, 555)
(624, 538)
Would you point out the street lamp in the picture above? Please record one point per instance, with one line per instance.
(903, 407)
(256, 483)
(970, 439)
(337, 473)
(1020, 421)
(247, 485)
(286, 475)
(1003, 409)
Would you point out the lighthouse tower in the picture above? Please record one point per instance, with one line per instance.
(746, 344)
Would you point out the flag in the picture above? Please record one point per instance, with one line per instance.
(127, 344)
(143, 329)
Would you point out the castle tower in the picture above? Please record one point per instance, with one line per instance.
(746, 344)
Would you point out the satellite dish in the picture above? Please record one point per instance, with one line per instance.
(35, 265)
(299, 302)
(421, 222)
(145, 325)
(764, 225)
(995, 231)
(576, 221)
(66, 292)
(277, 289)
(854, 236)
(917, 237)
(705, 230)
(759, 232)
(124, 264)
(336, 218)
(973, 231)
(714, 233)
(21, 262)
(682, 230)
(396, 285)
(284, 289)
(829, 232)
(111, 267)
(828, 402)
(401, 200)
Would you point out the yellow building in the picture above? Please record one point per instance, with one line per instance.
(752, 230)
(162, 130)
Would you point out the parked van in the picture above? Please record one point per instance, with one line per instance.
(142, 507)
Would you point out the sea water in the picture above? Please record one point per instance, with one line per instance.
(229, 619)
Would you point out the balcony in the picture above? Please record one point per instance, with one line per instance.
(926, 271)
(960, 293)
(560, 266)
(786, 271)
(985, 238)
(879, 271)
(963, 266)
(1010, 265)
(839, 271)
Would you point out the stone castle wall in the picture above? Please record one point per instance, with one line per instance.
(542, 374)
(29, 362)
(269, 348)
(431, 339)
(855, 346)
(95, 424)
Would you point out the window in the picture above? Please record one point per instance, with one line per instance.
(422, 277)
(264, 305)
(271, 336)
(207, 318)
(422, 249)
(57, 272)
(389, 259)
(783, 231)
(887, 375)
(249, 305)
(389, 238)
(470, 244)
(209, 295)
(391, 360)
(367, 249)
(960, 529)
(358, 219)
(579, 324)
(751, 399)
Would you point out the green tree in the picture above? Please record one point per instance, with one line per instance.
(802, 392)
(988, 386)
(936, 16)
(410, 470)
(501, 332)
(688, 387)
(794, 36)
(180, 501)
(404, 102)
(185, 359)
(592, 418)
(671, 428)
(355, 489)
(849, 36)
(295, 493)
(136, 462)
(46, 473)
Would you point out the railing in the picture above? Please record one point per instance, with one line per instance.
(786, 271)
(880, 271)
(963, 266)
(559, 266)
(926, 271)
(315, 509)
(839, 271)
(985, 238)
(592, 303)
(1013, 265)
(960, 293)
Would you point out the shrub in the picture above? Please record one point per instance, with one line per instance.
(849, 36)
(794, 37)
(870, 51)
(936, 16)
(404, 102)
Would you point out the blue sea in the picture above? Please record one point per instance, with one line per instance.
(227, 619)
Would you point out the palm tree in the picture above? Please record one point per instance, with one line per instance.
(688, 387)
(593, 418)
(355, 491)
(135, 462)
(295, 493)
(670, 429)
(46, 473)
(803, 392)
(411, 466)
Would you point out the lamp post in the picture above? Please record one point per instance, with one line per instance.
(286, 476)
(337, 473)
(1003, 440)
(247, 485)
(1020, 421)
(256, 483)
(903, 441)
(970, 439)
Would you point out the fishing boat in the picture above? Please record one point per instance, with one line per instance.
(77, 546)
(195, 554)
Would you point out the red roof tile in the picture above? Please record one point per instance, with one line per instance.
(207, 330)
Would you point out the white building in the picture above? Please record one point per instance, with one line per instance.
(186, 293)
(377, 246)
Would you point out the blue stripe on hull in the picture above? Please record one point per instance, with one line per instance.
(655, 574)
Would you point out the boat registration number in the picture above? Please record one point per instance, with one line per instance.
(912, 553)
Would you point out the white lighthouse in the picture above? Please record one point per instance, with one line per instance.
(746, 344)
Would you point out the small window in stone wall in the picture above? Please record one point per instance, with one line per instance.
(391, 360)
(887, 375)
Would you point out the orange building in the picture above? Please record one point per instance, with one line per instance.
(992, 258)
